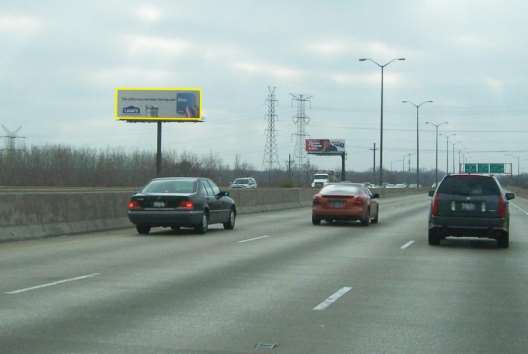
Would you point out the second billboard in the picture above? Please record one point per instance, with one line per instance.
(325, 146)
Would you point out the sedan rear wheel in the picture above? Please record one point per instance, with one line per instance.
(230, 223)
(143, 229)
(365, 220)
(376, 219)
(316, 220)
(204, 225)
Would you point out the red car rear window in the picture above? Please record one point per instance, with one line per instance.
(336, 189)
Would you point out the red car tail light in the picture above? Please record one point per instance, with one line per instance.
(186, 204)
(133, 204)
(358, 201)
(317, 200)
(502, 207)
(435, 206)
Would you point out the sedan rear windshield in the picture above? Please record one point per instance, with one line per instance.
(335, 189)
(469, 185)
(320, 176)
(174, 186)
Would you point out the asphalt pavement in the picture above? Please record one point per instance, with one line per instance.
(275, 284)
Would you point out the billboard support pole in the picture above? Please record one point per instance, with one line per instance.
(158, 152)
(343, 172)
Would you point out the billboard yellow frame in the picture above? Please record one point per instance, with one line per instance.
(157, 119)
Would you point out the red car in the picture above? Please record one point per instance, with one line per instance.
(345, 201)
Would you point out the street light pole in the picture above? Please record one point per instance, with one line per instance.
(382, 67)
(459, 161)
(447, 135)
(409, 169)
(453, 163)
(417, 138)
(436, 125)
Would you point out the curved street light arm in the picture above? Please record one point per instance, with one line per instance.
(371, 60)
(391, 61)
(424, 102)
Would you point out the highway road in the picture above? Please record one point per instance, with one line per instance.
(276, 284)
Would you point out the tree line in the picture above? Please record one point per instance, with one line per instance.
(66, 166)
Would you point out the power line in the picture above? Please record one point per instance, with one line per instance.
(301, 120)
(271, 154)
(494, 131)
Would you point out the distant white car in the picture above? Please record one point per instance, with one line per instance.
(245, 182)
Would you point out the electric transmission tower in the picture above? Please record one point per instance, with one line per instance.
(301, 120)
(11, 137)
(271, 154)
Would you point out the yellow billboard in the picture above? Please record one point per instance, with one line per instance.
(158, 104)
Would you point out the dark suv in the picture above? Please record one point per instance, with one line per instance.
(467, 205)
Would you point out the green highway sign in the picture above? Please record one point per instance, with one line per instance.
(470, 168)
(496, 168)
(483, 168)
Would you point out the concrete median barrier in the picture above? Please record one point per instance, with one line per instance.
(27, 213)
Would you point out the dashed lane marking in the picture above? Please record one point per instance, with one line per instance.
(51, 284)
(332, 298)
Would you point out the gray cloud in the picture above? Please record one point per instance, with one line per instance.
(61, 61)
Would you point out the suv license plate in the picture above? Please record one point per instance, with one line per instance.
(159, 204)
(467, 206)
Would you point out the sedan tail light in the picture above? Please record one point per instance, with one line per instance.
(358, 201)
(435, 206)
(316, 200)
(502, 207)
(186, 204)
(133, 204)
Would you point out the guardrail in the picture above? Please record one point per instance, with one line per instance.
(27, 213)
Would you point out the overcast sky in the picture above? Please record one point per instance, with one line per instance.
(61, 60)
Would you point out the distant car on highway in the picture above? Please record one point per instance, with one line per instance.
(245, 182)
(466, 205)
(181, 201)
(395, 186)
(345, 201)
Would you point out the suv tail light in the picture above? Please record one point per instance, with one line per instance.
(502, 207)
(133, 204)
(435, 206)
(186, 204)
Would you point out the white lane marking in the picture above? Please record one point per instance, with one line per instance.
(518, 207)
(51, 284)
(408, 244)
(254, 238)
(332, 298)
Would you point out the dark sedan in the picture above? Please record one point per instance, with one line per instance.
(181, 201)
(468, 205)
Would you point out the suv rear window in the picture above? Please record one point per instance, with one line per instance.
(469, 185)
